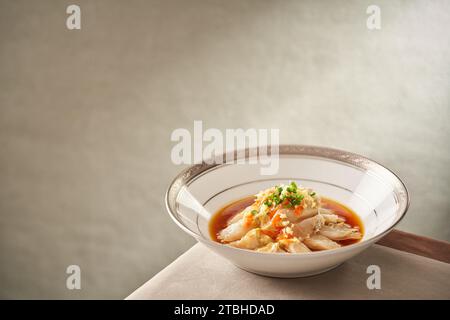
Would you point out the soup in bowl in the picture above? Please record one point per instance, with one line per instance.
(322, 207)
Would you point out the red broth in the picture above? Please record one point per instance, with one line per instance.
(219, 220)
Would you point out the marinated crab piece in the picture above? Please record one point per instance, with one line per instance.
(273, 226)
(307, 227)
(254, 239)
(271, 248)
(319, 242)
(290, 214)
(236, 218)
(293, 245)
(326, 213)
(340, 232)
(237, 230)
(332, 218)
(308, 213)
(298, 214)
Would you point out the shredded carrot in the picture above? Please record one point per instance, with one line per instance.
(298, 211)
(283, 236)
(270, 233)
(276, 220)
(272, 213)
(275, 227)
(248, 220)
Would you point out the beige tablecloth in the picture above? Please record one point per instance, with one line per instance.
(201, 274)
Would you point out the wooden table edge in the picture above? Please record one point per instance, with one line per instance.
(419, 245)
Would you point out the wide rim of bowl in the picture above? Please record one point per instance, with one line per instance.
(194, 171)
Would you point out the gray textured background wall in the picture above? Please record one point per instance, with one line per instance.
(86, 117)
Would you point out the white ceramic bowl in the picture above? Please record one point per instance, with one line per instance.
(375, 193)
